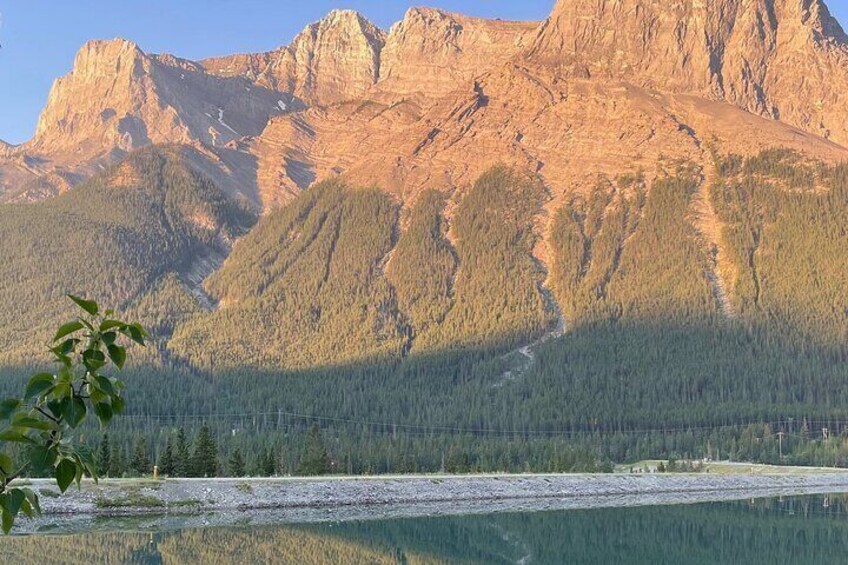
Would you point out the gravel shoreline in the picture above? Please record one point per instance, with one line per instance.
(177, 503)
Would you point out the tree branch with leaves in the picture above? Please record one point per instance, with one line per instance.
(54, 404)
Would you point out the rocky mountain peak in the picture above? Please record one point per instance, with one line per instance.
(753, 53)
(334, 59)
(101, 67)
(434, 52)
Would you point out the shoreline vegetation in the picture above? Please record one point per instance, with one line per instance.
(217, 501)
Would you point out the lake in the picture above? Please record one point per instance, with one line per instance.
(811, 529)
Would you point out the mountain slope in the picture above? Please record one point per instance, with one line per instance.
(116, 238)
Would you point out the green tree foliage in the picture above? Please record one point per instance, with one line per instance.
(305, 287)
(784, 226)
(182, 462)
(423, 265)
(235, 465)
(497, 293)
(124, 232)
(140, 463)
(104, 456)
(54, 404)
(167, 462)
(622, 256)
(204, 458)
(315, 460)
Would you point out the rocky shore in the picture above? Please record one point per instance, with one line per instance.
(199, 502)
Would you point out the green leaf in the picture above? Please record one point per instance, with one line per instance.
(15, 497)
(93, 359)
(89, 306)
(136, 333)
(26, 508)
(105, 384)
(73, 410)
(8, 519)
(106, 325)
(15, 436)
(41, 458)
(66, 471)
(117, 404)
(66, 346)
(104, 412)
(33, 499)
(6, 464)
(118, 355)
(67, 329)
(38, 385)
(109, 338)
(10, 504)
(27, 421)
(60, 392)
(8, 407)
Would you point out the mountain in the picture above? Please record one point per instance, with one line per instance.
(630, 214)
(784, 59)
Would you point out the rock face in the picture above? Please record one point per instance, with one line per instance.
(337, 58)
(435, 52)
(117, 96)
(600, 87)
(785, 59)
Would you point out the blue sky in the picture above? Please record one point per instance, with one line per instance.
(40, 37)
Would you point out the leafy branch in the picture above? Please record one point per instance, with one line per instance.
(54, 404)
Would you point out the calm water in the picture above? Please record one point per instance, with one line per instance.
(768, 531)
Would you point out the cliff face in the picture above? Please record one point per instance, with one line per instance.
(785, 59)
(435, 52)
(337, 58)
(117, 96)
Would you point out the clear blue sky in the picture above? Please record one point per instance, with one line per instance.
(40, 37)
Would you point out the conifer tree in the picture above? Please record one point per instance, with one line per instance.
(204, 460)
(182, 456)
(166, 460)
(236, 464)
(117, 462)
(140, 462)
(104, 456)
(315, 460)
(268, 463)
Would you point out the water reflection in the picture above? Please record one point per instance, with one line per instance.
(787, 530)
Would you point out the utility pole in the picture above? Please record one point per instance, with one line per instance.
(780, 444)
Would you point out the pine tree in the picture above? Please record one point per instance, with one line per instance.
(104, 456)
(204, 460)
(140, 462)
(182, 457)
(117, 462)
(268, 463)
(236, 464)
(167, 463)
(315, 460)
(257, 468)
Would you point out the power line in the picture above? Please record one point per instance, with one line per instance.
(427, 428)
